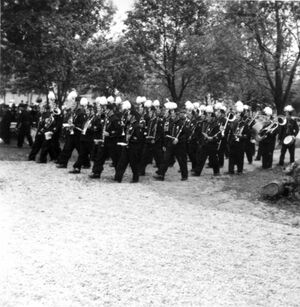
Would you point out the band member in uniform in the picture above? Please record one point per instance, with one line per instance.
(73, 124)
(175, 144)
(154, 135)
(50, 127)
(39, 136)
(287, 136)
(132, 147)
(193, 116)
(249, 143)
(24, 126)
(112, 134)
(221, 119)
(267, 139)
(86, 139)
(237, 136)
(208, 137)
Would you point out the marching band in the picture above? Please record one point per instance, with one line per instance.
(138, 133)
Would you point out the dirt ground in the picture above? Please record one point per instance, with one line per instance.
(68, 241)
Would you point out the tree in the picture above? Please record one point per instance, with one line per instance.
(270, 31)
(45, 39)
(108, 65)
(159, 31)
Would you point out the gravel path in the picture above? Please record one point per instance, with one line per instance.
(68, 241)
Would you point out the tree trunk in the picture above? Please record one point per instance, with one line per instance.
(272, 189)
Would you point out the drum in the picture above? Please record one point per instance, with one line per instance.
(289, 140)
(13, 126)
(48, 135)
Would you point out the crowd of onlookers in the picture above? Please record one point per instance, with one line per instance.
(17, 121)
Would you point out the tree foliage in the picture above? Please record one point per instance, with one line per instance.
(270, 31)
(159, 30)
(108, 65)
(45, 38)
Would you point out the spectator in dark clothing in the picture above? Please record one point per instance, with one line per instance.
(5, 124)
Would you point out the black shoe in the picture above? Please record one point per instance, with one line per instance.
(229, 173)
(61, 166)
(184, 179)
(75, 171)
(86, 166)
(195, 174)
(159, 177)
(56, 162)
(239, 173)
(134, 181)
(217, 174)
(41, 162)
(94, 176)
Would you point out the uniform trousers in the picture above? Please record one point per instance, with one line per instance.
(110, 149)
(36, 146)
(85, 150)
(178, 151)
(291, 149)
(150, 151)
(72, 142)
(236, 156)
(131, 155)
(209, 150)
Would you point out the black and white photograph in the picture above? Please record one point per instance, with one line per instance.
(149, 153)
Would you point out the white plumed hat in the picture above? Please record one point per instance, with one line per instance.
(209, 109)
(218, 106)
(196, 105)
(240, 108)
(110, 99)
(72, 95)
(126, 105)
(156, 103)
(246, 107)
(118, 100)
(189, 105)
(83, 101)
(288, 108)
(173, 105)
(239, 103)
(168, 105)
(51, 96)
(268, 111)
(148, 103)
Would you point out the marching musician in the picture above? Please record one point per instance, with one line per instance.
(221, 119)
(112, 129)
(237, 136)
(175, 144)
(154, 136)
(73, 124)
(192, 113)
(86, 137)
(208, 136)
(49, 129)
(287, 136)
(267, 139)
(24, 125)
(250, 143)
(132, 148)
